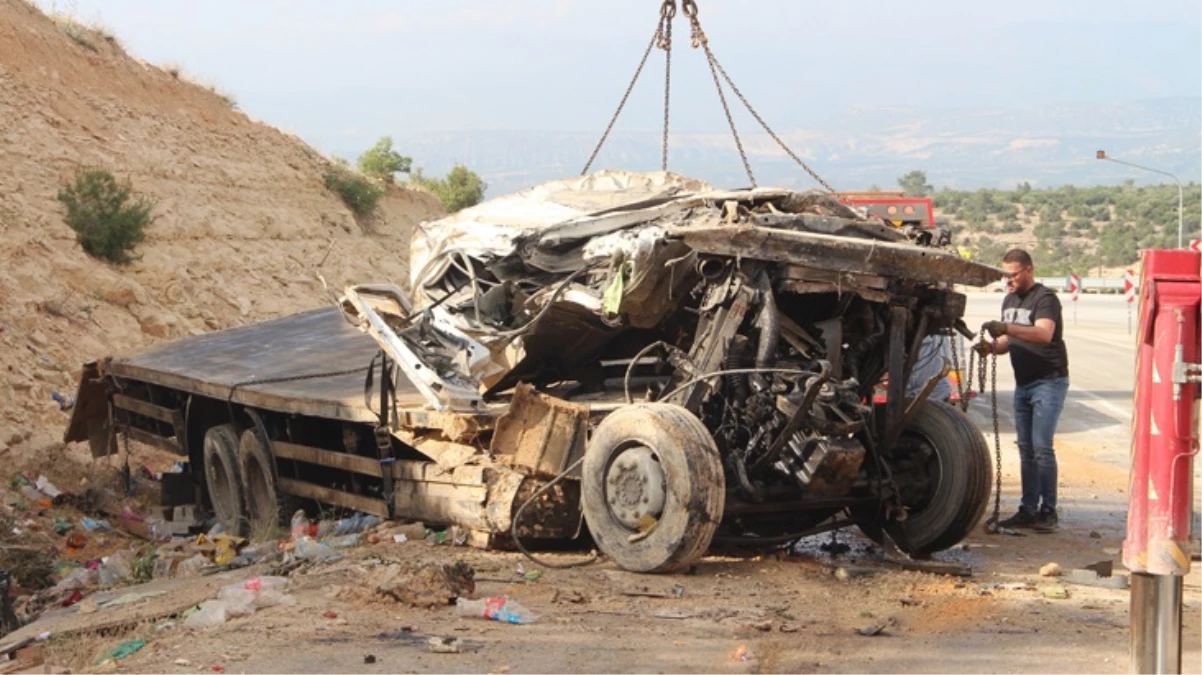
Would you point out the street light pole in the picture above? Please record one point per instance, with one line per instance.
(1180, 193)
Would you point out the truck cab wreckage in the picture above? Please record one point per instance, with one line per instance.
(638, 356)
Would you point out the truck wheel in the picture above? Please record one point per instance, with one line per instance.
(652, 487)
(223, 478)
(941, 466)
(259, 484)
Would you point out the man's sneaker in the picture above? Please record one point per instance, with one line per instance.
(1023, 518)
(1047, 521)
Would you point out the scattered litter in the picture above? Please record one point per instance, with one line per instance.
(357, 523)
(217, 668)
(1050, 570)
(240, 600)
(47, 488)
(444, 645)
(399, 538)
(329, 614)
(497, 609)
(314, 551)
(96, 525)
(123, 650)
(741, 654)
(182, 662)
(1056, 593)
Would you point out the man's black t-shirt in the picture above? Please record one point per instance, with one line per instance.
(1034, 362)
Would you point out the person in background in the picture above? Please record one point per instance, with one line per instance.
(1032, 332)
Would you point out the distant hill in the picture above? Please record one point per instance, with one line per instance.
(1045, 145)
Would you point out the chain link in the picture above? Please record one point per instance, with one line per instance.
(667, 13)
(655, 39)
(997, 443)
(662, 38)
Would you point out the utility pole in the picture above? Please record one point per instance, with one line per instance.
(1180, 193)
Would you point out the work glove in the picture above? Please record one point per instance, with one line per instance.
(996, 329)
(983, 348)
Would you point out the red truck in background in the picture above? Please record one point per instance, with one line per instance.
(898, 210)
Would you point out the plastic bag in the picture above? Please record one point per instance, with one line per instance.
(212, 613)
(192, 566)
(79, 579)
(307, 549)
(116, 568)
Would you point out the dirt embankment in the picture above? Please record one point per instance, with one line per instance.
(242, 219)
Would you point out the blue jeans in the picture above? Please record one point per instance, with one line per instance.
(1037, 409)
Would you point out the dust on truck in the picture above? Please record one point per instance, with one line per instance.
(635, 358)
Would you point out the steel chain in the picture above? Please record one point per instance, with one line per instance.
(667, 13)
(768, 129)
(655, 39)
(997, 444)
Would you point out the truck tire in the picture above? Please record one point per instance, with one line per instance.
(259, 485)
(943, 449)
(652, 487)
(223, 477)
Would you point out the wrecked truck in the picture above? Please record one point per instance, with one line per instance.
(634, 358)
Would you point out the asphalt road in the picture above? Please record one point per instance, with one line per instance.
(1101, 355)
(1098, 410)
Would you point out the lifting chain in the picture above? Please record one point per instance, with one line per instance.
(662, 38)
(667, 12)
(991, 525)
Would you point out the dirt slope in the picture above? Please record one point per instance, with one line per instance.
(243, 218)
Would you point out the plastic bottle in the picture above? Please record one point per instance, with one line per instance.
(497, 609)
(359, 522)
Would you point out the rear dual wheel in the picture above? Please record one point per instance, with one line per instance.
(241, 478)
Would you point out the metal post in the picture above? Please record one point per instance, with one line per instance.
(1155, 623)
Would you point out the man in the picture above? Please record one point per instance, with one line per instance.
(1032, 332)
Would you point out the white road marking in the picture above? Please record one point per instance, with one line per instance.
(1103, 402)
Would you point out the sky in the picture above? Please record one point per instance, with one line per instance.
(345, 73)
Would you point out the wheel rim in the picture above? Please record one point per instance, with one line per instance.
(635, 487)
(918, 471)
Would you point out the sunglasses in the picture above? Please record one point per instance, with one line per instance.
(1011, 275)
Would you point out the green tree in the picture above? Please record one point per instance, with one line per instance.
(460, 188)
(382, 162)
(915, 184)
(107, 224)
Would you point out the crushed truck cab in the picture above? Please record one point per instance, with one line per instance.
(638, 357)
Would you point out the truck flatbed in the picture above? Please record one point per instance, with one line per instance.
(253, 364)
